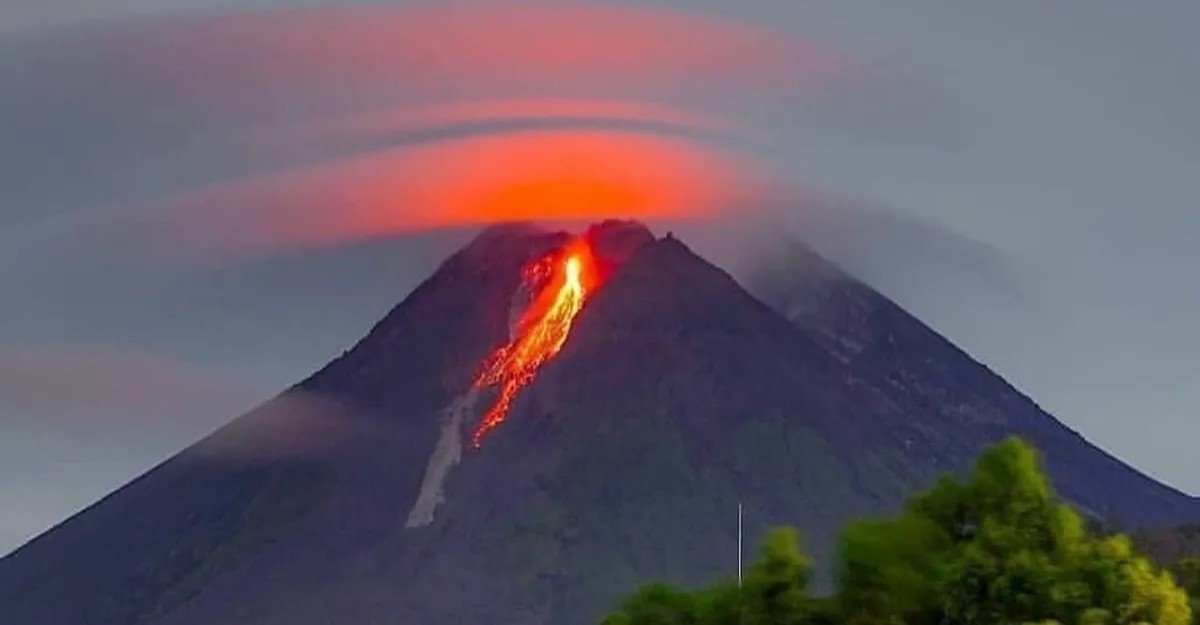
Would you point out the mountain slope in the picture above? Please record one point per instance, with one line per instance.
(961, 403)
(1168, 545)
(676, 395)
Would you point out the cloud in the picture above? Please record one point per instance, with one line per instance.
(120, 112)
(148, 145)
(88, 387)
(963, 287)
(83, 420)
(80, 421)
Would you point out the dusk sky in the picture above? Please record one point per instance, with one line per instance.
(199, 207)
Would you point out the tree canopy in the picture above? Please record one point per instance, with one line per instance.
(997, 547)
(1187, 574)
(775, 591)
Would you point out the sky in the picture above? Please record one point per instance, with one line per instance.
(199, 206)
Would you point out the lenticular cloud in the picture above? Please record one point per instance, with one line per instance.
(350, 123)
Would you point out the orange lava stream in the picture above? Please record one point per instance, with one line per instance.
(541, 332)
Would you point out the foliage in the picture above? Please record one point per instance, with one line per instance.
(998, 547)
(776, 588)
(657, 604)
(775, 591)
(1187, 575)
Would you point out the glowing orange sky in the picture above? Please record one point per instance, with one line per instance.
(559, 175)
(468, 114)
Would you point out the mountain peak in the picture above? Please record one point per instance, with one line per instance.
(675, 395)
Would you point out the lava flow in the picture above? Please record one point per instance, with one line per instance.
(569, 276)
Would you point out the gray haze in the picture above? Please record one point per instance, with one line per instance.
(1020, 175)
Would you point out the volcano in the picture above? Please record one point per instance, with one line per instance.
(663, 394)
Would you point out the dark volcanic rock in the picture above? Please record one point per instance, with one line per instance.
(676, 396)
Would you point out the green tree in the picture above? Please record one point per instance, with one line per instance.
(656, 604)
(1187, 574)
(776, 586)
(774, 592)
(996, 548)
(999, 547)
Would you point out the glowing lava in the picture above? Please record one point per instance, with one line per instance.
(568, 276)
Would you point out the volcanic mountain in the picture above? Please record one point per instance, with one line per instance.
(671, 395)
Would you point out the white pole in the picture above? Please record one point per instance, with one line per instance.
(739, 544)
